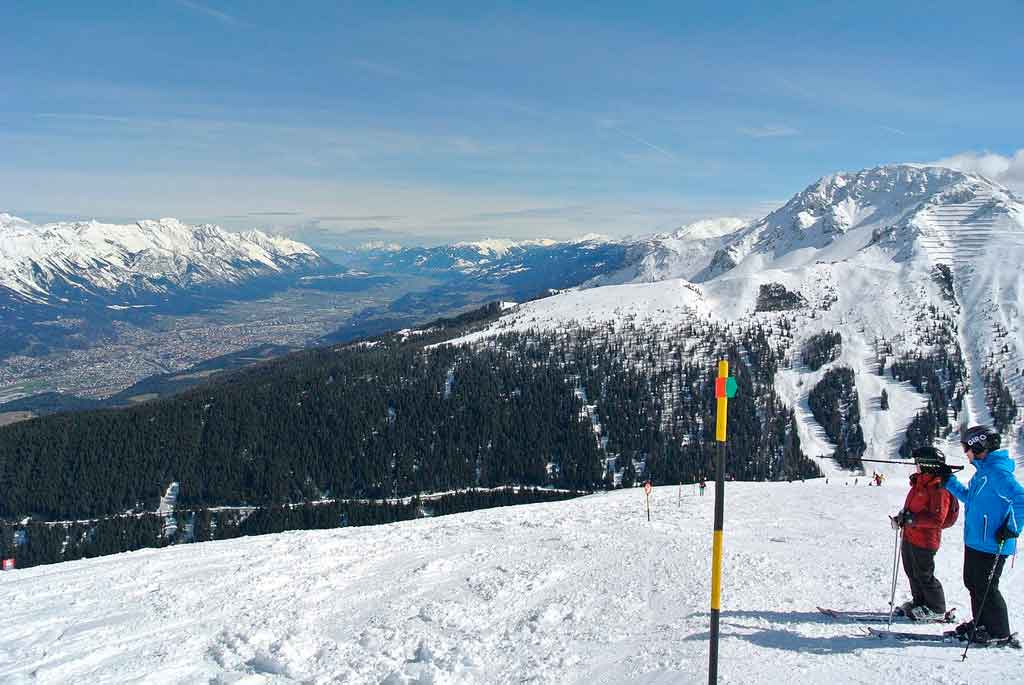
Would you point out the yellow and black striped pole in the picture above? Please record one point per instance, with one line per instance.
(725, 387)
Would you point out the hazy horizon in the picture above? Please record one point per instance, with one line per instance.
(456, 122)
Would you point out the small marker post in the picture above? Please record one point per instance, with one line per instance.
(647, 493)
(725, 388)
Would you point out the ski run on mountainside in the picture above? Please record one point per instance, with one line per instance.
(583, 591)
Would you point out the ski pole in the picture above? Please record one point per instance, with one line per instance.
(895, 559)
(984, 597)
(902, 463)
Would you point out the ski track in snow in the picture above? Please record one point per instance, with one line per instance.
(584, 591)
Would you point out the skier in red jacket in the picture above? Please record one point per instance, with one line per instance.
(922, 519)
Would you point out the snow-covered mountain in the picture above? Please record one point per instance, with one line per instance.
(582, 591)
(905, 262)
(88, 263)
(832, 219)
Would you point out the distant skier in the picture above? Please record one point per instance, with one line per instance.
(922, 519)
(703, 484)
(990, 531)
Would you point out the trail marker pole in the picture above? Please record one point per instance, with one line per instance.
(647, 492)
(725, 387)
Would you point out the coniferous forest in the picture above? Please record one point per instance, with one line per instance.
(836, 406)
(403, 415)
(821, 348)
(37, 542)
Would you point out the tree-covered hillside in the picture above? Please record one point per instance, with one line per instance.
(577, 409)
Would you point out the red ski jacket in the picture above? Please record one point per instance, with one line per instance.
(929, 503)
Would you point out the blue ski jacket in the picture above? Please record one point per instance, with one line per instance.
(993, 497)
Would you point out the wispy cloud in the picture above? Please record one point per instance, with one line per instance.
(890, 129)
(612, 125)
(528, 213)
(367, 217)
(80, 116)
(222, 17)
(1006, 170)
(769, 131)
(378, 68)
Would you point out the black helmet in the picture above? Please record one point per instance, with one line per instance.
(928, 458)
(980, 439)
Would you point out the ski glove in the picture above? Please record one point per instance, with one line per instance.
(904, 518)
(1006, 533)
(943, 471)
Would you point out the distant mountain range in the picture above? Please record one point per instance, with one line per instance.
(523, 268)
(68, 265)
(62, 283)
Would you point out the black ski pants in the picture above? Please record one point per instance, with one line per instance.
(977, 566)
(925, 588)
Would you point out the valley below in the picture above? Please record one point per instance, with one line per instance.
(169, 344)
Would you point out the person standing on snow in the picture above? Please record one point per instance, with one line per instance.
(990, 531)
(922, 519)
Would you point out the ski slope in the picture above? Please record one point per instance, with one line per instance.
(584, 591)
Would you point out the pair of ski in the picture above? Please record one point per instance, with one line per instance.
(883, 616)
(897, 617)
(949, 637)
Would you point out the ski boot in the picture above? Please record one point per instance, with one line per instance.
(983, 639)
(962, 632)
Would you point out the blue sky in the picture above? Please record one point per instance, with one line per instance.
(455, 120)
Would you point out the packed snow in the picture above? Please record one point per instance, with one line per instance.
(583, 591)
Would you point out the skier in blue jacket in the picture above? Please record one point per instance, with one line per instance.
(992, 505)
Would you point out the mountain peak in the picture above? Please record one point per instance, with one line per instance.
(709, 228)
(836, 205)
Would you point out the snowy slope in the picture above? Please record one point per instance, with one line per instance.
(683, 253)
(864, 251)
(81, 261)
(585, 591)
(833, 218)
